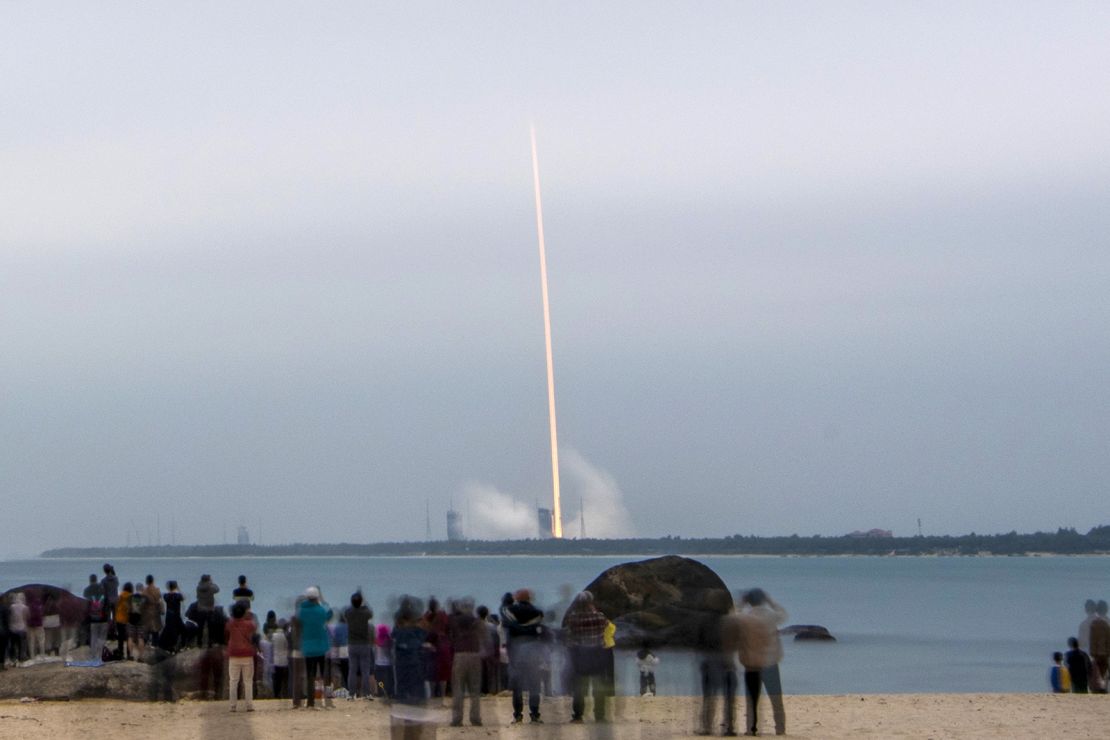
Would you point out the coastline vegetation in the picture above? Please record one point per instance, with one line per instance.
(1064, 541)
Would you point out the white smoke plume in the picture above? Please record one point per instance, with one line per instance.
(494, 515)
(497, 516)
(606, 515)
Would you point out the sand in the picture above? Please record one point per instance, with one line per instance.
(869, 716)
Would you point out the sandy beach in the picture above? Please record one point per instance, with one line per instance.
(870, 716)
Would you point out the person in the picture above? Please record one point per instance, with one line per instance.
(360, 648)
(383, 661)
(152, 611)
(465, 634)
(296, 657)
(524, 629)
(97, 615)
(51, 624)
(491, 651)
(18, 614)
(239, 634)
(4, 610)
(206, 606)
(36, 633)
(172, 631)
(1100, 648)
(645, 663)
(584, 635)
(1083, 634)
(136, 632)
(760, 652)
(270, 624)
(279, 637)
(410, 648)
(243, 592)
(438, 662)
(716, 647)
(123, 619)
(313, 615)
(339, 656)
(1079, 667)
(110, 583)
(1058, 678)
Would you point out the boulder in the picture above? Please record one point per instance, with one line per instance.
(662, 600)
(810, 632)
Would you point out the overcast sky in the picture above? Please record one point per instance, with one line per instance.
(814, 267)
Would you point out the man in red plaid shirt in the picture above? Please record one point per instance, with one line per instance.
(583, 632)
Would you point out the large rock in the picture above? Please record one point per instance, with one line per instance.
(126, 680)
(662, 600)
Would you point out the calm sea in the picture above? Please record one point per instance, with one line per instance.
(944, 624)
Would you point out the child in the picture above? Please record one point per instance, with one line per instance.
(1079, 667)
(646, 662)
(1058, 677)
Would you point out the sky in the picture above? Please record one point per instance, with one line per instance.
(814, 267)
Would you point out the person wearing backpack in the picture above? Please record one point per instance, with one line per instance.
(97, 615)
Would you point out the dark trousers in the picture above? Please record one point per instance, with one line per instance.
(281, 680)
(383, 674)
(590, 674)
(718, 678)
(524, 675)
(313, 665)
(647, 683)
(769, 678)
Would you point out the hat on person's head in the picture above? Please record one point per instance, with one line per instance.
(312, 593)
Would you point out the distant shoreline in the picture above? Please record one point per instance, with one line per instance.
(1038, 544)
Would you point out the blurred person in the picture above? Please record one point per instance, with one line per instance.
(122, 618)
(339, 653)
(279, 638)
(1058, 678)
(4, 640)
(136, 632)
(360, 639)
(584, 634)
(110, 584)
(438, 662)
(18, 614)
(36, 633)
(524, 630)
(98, 613)
(646, 661)
(152, 607)
(239, 634)
(206, 607)
(1079, 667)
(243, 592)
(170, 639)
(1100, 647)
(409, 717)
(491, 650)
(51, 625)
(1084, 632)
(297, 678)
(313, 615)
(716, 645)
(760, 652)
(270, 624)
(383, 662)
(466, 635)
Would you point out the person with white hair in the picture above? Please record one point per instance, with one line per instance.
(313, 615)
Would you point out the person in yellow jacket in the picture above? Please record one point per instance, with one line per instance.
(123, 612)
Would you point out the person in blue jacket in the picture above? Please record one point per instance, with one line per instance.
(314, 614)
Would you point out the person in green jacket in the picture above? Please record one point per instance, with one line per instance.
(313, 614)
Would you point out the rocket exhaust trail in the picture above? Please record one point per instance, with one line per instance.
(556, 512)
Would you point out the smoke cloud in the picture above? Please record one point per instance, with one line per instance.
(497, 515)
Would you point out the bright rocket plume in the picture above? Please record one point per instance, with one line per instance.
(556, 512)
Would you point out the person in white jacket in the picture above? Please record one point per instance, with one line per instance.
(757, 627)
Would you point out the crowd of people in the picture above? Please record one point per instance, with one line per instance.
(1085, 667)
(318, 654)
